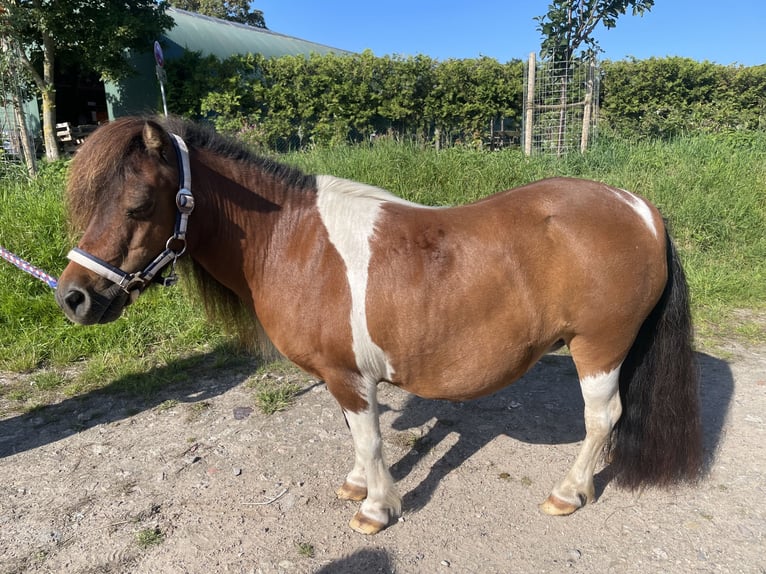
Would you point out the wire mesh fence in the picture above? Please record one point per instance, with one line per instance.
(561, 106)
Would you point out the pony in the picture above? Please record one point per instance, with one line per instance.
(358, 286)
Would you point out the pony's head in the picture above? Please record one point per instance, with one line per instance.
(121, 196)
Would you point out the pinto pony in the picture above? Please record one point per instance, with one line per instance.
(357, 286)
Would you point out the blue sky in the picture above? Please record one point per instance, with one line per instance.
(725, 32)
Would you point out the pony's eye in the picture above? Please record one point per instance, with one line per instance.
(141, 211)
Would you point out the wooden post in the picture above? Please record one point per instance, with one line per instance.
(529, 112)
(587, 107)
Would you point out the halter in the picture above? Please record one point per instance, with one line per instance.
(134, 283)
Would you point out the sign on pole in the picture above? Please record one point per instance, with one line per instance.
(159, 58)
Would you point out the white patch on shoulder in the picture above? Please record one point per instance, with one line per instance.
(640, 206)
(349, 211)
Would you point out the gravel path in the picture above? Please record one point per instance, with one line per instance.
(196, 481)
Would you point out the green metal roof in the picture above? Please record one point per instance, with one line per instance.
(222, 38)
(140, 93)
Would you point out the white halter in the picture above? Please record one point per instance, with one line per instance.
(134, 283)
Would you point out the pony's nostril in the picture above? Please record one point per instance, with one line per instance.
(74, 298)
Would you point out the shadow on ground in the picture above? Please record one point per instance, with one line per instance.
(202, 376)
(543, 407)
(367, 561)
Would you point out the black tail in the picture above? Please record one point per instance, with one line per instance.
(658, 439)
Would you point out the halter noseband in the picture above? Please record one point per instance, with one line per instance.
(133, 283)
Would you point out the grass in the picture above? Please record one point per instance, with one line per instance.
(276, 384)
(710, 188)
(148, 537)
(275, 398)
(305, 549)
(195, 411)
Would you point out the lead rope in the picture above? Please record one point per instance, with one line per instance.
(27, 267)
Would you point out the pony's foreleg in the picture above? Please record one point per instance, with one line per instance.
(602, 410)
(370, 479)
(355, 486)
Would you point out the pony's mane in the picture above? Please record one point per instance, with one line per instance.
(99, 162)
(203, 136)
(222, 306)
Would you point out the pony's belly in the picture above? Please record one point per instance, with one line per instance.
(462, 383)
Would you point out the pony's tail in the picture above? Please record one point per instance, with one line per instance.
(658, 439)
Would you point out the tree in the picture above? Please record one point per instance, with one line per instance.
(96, 33)
(232, 10)
(569, 24)
(17, 89)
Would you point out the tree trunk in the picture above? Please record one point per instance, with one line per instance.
(47, 90)
(27, 145)
(49, 99)
(27, 148)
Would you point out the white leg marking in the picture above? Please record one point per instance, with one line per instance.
(602, 410)
(383, 502)
(640, 206)
(349, 212)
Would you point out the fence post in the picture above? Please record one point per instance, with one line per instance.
(587, 107)
(529, 112)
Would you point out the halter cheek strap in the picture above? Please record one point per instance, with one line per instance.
(134, 283)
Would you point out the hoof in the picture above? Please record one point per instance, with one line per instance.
(366, 525)
(554, 506)
(351, 492)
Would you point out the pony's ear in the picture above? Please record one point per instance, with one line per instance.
(156, 139)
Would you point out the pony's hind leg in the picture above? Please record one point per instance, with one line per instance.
(602, 410)
(370, 479)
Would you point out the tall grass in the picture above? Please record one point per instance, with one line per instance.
(712, 189)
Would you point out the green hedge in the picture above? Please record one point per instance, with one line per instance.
(294, 102)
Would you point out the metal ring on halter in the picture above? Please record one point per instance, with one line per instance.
(176, 254)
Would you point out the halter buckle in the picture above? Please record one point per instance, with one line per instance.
(185, 201)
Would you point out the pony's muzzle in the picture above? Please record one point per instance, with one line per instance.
(88, 307)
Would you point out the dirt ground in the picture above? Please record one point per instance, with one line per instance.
(198, 481)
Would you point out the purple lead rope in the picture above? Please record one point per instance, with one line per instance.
(29, 268)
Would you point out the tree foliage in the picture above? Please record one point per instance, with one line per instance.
(95, 33)
(232, 10)
(568, 25)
